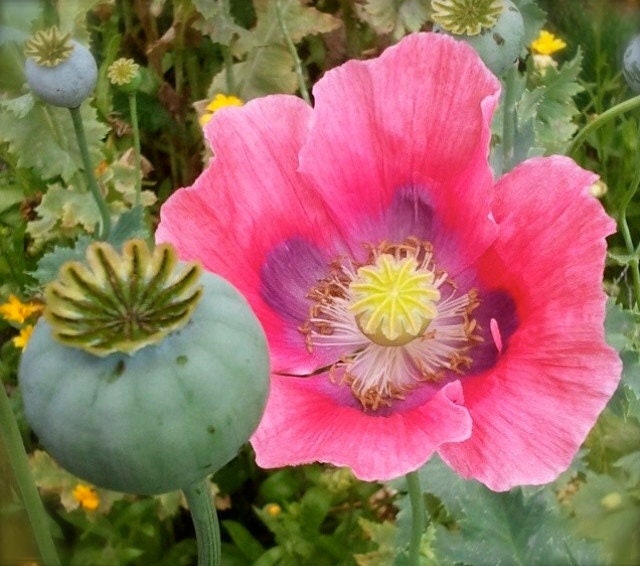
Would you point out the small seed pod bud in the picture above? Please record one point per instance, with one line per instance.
(494, 28)
(125, 74)
(631, 64)
(145, 375)
(58, 69)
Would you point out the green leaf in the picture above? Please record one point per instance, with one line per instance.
(623, 333)
(217, 22)
(299, 18)
(394, 17)
(501, 528)
(554, 124)
(51, 262)
(18, 16)
(268, 67)
(73, 17)
(42, 137)
(267, 70)
(384, 536)
(315, 505)
(609, 512)
(533, 18)
(244, 540)
(130, 225)
(64, 212)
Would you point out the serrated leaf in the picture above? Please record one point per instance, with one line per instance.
(527, 106)
(609, 512)
(217, 22)
(51, 262)
(18, 16)
(63, 211)
(384, 536)
(630, 466)
(268, 66)
(623, 333)
(20, 106)
(268, 70)
(501, 528)
(42, 137)
(52, 478)
(130, 225)
(395, 17)
(299, 18)
(73, 17)
(557, 110)
(533, 18)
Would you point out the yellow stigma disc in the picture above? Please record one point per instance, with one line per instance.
(394, 300)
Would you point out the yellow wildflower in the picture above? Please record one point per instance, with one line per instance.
(218, 101)
(273, 509)
(14, 310)
(86, 496)
(20, 341)
(546, 43)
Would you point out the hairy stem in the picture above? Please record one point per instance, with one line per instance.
(302, 84)
(133, 110)
(601, 120)
(88, 170)
(22, 473)
(509, 119)
(633, 262)
(418, 523)
(205, 521)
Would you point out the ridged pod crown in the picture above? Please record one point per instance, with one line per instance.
(466, 17)
(121, 302)
(49, 47)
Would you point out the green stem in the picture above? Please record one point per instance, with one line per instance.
(602, 119)
(28, 492)
(302, 84)
(205, 521)
(418, 523)
(226, 53)
(133, 110)
(509, 119)
(88, 170)
(633, 263)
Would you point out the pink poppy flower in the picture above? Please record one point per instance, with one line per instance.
(412, 304)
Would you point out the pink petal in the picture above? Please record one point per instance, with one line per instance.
(249, 200)
(303, 424)
(533, 410)
(417, 116)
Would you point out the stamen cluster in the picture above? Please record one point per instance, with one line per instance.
(433, 339)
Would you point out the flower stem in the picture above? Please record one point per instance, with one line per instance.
(205, 521)
(417, 517)
(601, 120)
(509, 119)
(24, 480)
(226, 52)
(633, 263)
(133, 111)
(88, 170)
(302, 84)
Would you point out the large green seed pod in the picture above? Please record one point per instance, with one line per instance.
(163, 416)
(58, 69)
